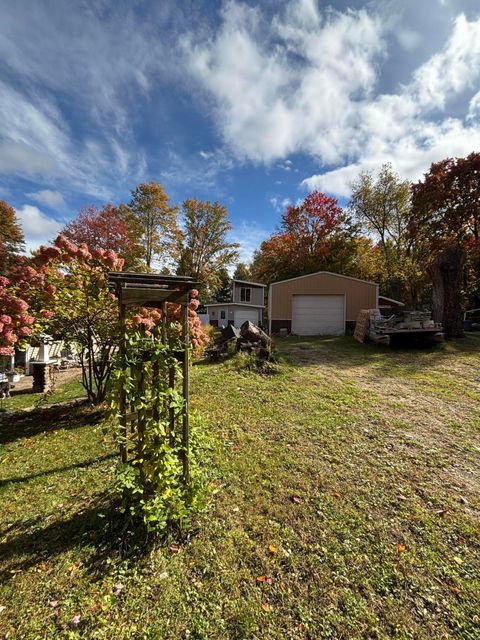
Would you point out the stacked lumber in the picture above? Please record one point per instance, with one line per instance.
(362, 325)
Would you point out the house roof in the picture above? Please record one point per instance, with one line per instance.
(234, 304)
(317, 273)
(255, 284)
(401, 304)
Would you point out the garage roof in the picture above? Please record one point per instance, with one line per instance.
(330, 273)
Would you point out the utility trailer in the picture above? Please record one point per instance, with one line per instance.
(405, 328)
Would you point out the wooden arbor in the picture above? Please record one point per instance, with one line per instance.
(155, 291)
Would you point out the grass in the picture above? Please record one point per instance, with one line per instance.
(69, 390)
(344, 505)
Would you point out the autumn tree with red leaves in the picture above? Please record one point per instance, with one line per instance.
(446, 222)
(105, 228)
(314, 236)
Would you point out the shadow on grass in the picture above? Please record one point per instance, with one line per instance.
(31, 423)
(70, 467)
(95, 533)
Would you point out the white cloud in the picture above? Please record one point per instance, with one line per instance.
(288, 85)
(451, 71)
(306, 82)
(408, 38)
(37, 227)
(53, 199)
(67, 115)
(279, 204)
(399, 128)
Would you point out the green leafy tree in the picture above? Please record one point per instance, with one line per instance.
(152, 222)
(203, 248)
(381, 204)
(11, 236)
(242, 272)
(224, 291)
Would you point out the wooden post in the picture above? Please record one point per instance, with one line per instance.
(122, 399)
(185, 425)
(164, 322)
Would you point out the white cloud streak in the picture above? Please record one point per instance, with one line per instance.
(48, 197)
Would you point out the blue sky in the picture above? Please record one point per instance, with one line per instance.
(249, 103)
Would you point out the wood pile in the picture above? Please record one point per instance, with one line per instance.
(253, 340)
(362, 325)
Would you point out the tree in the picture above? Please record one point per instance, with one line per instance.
(203, 247)
(242, 272)
(11, 236)
(107, 229)
(316, 235)
(445, 222)
(78, 307)
(153, 221)
(381, 205)
(224, 290)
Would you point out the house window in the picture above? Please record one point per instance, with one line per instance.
(245, 294)
(223, 315)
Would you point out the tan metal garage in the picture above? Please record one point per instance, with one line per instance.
(321, 303)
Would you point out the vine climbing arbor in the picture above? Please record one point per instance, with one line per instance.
(153, 378)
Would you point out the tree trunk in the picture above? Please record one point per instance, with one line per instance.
(251, 332)
(446, 272)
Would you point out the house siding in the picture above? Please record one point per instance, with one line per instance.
(358, 294)
(214, 313)
(257, 293)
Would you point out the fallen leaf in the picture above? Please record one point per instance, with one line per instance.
(174, 548)
(264, 579)
(455, 590)
(41, 567)
(75, 621)
(2, 608)
(337, 494)
(272, 548)
(117, 589)
(296, 499)
(400, 548)
(265, 606)
(54, 603)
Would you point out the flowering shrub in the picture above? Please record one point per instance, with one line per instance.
(15, 321)
(63, 291)
(147, 319)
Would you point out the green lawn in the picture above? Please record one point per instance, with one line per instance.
(345, 504)
(67, 391)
